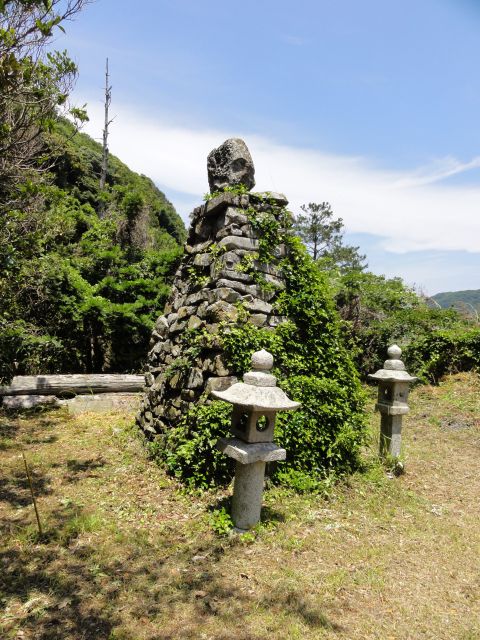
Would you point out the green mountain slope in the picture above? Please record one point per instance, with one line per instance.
(450, 298)
(77, 170)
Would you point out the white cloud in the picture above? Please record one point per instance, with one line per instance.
(438, 170)
(410, 210)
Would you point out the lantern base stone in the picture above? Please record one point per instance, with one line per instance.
(246, 453)
(392, 409)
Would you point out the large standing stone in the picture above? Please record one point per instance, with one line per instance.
(230, 164)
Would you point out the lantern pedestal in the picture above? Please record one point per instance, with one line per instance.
(249, 477)
(247, 494)
(390, 435)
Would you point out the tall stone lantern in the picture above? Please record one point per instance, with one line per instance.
(256, 402)
(393, 389)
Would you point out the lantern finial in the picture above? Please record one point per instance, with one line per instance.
(394, 351)
(262, 361)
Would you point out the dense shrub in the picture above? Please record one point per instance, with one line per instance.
(378, 312)
(442, 352)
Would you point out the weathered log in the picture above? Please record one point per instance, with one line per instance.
(69, 385)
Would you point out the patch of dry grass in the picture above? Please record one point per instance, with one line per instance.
(128, 556)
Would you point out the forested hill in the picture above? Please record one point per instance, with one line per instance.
(77, 170)
(84, 272)
(451, 298)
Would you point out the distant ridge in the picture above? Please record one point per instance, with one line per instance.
(451, 298)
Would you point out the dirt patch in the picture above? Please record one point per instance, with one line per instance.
(456, 425)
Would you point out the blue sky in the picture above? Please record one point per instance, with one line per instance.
(373, 106)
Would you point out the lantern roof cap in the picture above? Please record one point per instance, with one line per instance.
(393, 368)
(258, 391)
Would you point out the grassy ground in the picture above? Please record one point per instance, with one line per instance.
(127, 556)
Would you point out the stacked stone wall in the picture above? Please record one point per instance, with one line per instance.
(212, 290)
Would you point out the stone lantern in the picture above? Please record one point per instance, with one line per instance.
(393, 388)
(256, 402)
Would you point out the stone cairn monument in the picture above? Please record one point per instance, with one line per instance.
(212, 289)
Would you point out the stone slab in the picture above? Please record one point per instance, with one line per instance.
(218, 204)
(278, 198)
(73, 383)
(239, 242)
(247, 453)
(103, 403)
(256, 305)
(220, 383)
(15, 403)
(245, 289)
(203, 259)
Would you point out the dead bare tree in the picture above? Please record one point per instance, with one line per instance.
(108, 100)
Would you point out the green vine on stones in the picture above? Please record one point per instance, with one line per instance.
(197, 276)
(236, 189)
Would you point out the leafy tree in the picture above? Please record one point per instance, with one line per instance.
(323, 236)
(378, 311)
(59, 310)
(34, 85)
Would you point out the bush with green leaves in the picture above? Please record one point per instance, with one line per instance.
(379, 311)
(439, 353)
(312, 365)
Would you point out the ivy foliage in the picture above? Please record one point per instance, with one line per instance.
(312, 365)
